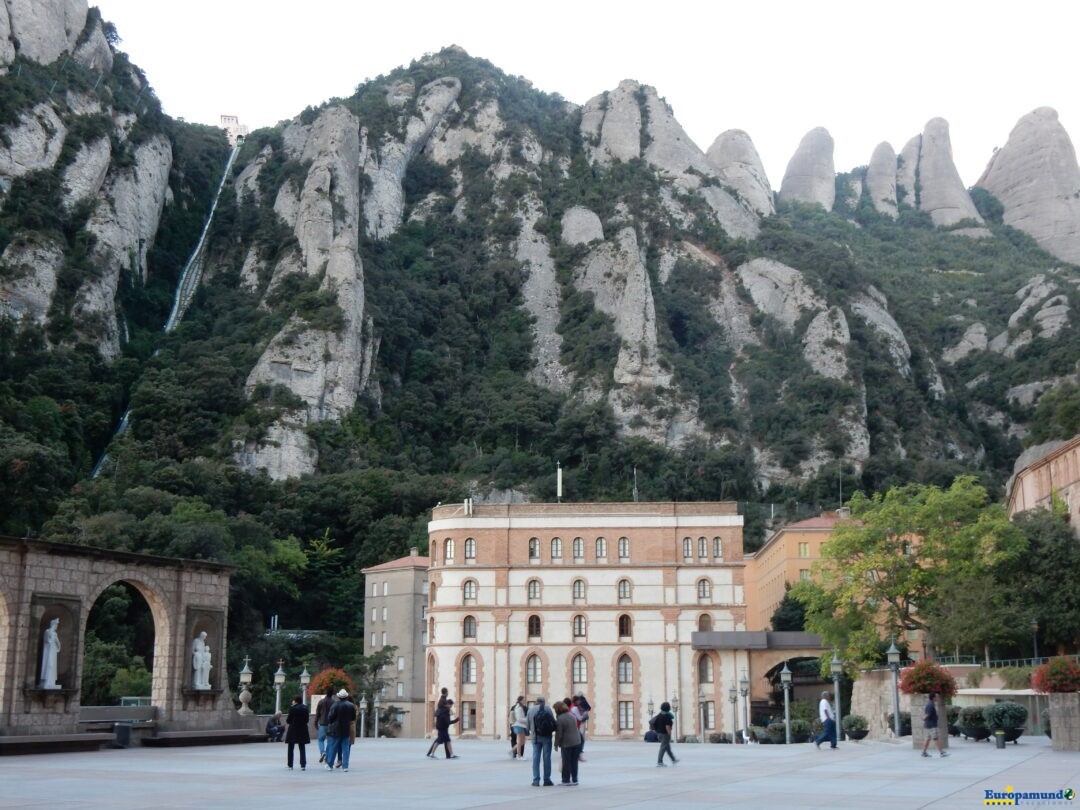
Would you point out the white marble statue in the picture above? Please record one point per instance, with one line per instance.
(50, 648)
(200, 661)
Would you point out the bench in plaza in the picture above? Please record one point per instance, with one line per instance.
(49, 743)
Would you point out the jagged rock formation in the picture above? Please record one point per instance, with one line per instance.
(735, 158)
(614, 272)
(326, 368)
(581, 226)
(927, 180)
(974, 340)
(615, 126)
(778, 290)
(31, 267)
(811, 174)
(872, 307)
(386, 162)
(881, 180)
(541, 294)
(40, 30)
(1036, 178)
(33, 144)
(825, 343)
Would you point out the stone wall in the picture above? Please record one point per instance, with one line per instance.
(41, 581)
(872, 697)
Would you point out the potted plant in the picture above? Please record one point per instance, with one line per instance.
(800, 730)
(973, 723)
(1006, 716)
(925, 677)
(855, 726)
(1060, 679)
(952, 714)
(905, 723)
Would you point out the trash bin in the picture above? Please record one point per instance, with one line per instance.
(999, 739)
(123, 735)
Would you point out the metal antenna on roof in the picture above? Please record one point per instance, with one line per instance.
(558, 482)
(635, 484)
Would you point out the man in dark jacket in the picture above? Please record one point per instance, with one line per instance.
(321, 713)
(339, 730)
(663, 725)
(297, 733)
(442, 729)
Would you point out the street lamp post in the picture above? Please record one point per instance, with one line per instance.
(675, 711)
(744, 690)
(701, 709)
(836, 666)
(362, 706)
(733, 699)
(305, 682)
(785, 679)
(894, 665)
(279, 682)
(375, 714)
(652, 713)
(245, 691)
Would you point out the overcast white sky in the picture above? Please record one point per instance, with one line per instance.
(866, 70)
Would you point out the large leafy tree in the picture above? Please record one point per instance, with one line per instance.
(1044, 579)
(884, 571)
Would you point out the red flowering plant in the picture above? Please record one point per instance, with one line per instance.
(925, 677)
(330, 678)
(1056, 675)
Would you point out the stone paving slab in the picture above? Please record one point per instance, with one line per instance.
(395, 773)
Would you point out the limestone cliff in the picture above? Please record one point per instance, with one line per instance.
(735, 158)
(325, 367)
(881, 180)
(40, 30)
(811, 175)
(1036, 178)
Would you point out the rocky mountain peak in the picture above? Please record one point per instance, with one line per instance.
(1036, 178)
(811, 173)
(734, 156)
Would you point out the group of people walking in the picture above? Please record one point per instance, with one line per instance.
(335, 729)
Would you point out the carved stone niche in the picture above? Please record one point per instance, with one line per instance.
(44, 607)
(212, 622)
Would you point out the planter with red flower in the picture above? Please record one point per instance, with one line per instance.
(927, 678)
(1060, 679)
(330, 678)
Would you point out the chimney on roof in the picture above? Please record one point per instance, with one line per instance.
(844, 513)
(414, 552)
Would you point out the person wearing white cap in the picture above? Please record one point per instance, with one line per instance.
(339, 729)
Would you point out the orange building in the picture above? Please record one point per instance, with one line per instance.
(785, 558)
(1056, 473)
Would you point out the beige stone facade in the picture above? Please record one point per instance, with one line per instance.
(552, 599)
(1056, 473)
(395, 614)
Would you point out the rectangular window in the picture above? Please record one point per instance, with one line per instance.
(385, 613)
(423, 638)
(626, 715)
(710, 714)
(424, 587)
(401, 663)
(400, 689)
(804, 549)
(804, 573)
(374, 614)
(384, 638)
(468, 715)
(373, 637)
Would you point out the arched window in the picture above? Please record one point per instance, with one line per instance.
(624, 548)
(717, 548)
(601, 547)
(704, 623)
(448, 550)
(534, 669)
(534, 627)
(579, 626)
(579, 669)
(704, 670)
(626, 669)
(624, 589)
(687, 548)
(702, 547)
(470, 548)
(468, 627)
(579, 589)
(534, 548)
(534, 588)
(468, 669)
(468, 590)
(556, 548)
(579, 548)
(704, 589)
(625, 625)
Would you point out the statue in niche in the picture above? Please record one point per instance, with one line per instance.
(200, 661)
(50, 649)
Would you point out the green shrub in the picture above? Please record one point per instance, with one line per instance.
(1005, 714)
(854, 722)
(972, 717)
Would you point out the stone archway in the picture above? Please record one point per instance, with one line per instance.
(41, 581)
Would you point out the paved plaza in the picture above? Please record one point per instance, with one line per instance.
(396, 774)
